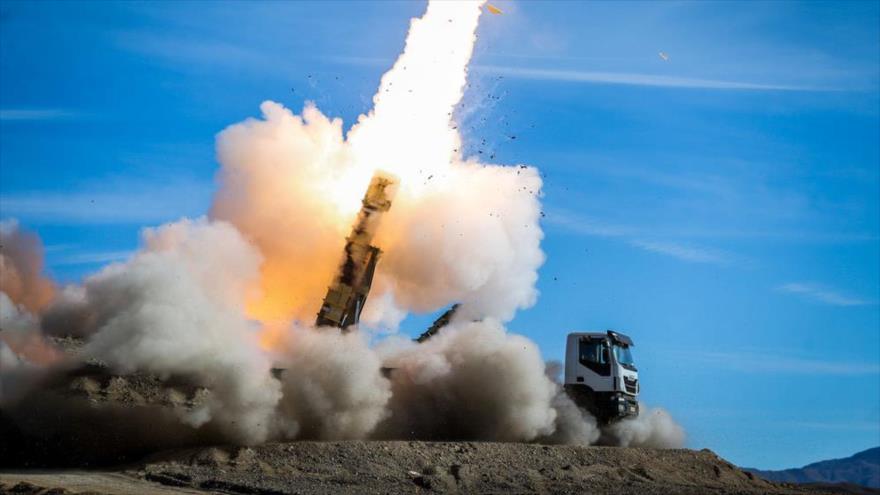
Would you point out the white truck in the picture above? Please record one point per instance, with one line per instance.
(600, 375)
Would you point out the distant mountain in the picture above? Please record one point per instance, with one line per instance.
(861, 469)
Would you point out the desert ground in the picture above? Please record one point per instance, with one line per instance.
(408, 467)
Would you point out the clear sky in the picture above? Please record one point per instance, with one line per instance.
(721, 206)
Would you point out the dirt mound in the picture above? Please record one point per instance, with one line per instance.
(83, 415)
(449, 467)
(414, 467)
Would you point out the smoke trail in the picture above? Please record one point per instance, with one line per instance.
(417, 97)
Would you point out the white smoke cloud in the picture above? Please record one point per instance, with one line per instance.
(68, 314)
(471, 381)
(476, 241)
(15, 318)
(573, 425)
(24, 352)
(654, 428)
(176, 308)
(278, 175)
(332, 384)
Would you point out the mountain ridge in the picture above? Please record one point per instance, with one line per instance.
(862, 468)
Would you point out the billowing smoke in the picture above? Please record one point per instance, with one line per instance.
(459, 231)
(228, 302)
(69, 313)
(23, 291)
(472, 381)
(573, 425)
(21, 267)
(654, 427)
(333, 386)
(23, 350)
(21, 334)
(176, 309)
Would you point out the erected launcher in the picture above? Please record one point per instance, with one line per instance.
(347, 294)
(438, 324)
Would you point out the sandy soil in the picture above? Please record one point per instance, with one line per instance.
(75, 482)
(412, 467)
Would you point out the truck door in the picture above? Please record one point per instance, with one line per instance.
(594, 354)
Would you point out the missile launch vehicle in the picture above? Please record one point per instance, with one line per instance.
(600, 375)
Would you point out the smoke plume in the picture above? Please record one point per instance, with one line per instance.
(21, 267)
(332, 384)
(23, 351)
(23, 291)
(458, 231)
(175, 309)
(472, 381)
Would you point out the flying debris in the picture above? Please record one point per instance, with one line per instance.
(664, 56)
(493, 9)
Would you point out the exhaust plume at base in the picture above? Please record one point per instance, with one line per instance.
(473, 381)
(332, 385)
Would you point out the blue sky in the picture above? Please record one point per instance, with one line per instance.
(722, 207)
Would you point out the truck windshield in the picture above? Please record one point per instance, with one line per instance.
(623, 355)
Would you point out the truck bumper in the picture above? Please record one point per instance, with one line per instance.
(607, 407)
(627, 406)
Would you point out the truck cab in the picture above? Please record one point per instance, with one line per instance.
(601, 376)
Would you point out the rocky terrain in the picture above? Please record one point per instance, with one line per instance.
(411, 467)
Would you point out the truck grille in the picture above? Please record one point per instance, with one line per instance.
(632, 385)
